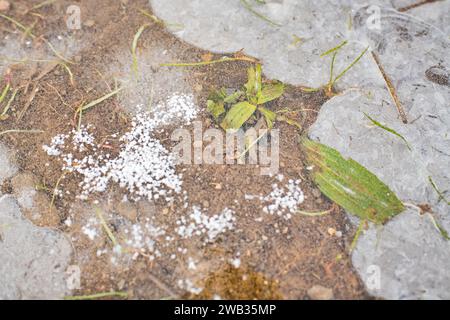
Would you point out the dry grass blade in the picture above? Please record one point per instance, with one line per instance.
(55, 192)
(18, 24)
(314, 214)
(8, 105)
(99, 100)
(43, 4)
(120, 294)
(106, 228)
(4, 92)
(391, 89)
(388, 130)
(66, 67)
(134, 47)
(20, 131)
(205, 63)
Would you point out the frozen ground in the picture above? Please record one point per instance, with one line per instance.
(413, 49)
(34, 259)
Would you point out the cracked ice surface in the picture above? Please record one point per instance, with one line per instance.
(413, 48)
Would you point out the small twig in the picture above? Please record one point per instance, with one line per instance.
(391, 89)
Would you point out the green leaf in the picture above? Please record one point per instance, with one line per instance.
(215, 108)
(254, 83)
(350, 185)
(238, 115)
(218, 95)
(269, 115)
(234, 97)
(270, 92)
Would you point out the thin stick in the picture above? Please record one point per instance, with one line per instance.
(391, 89)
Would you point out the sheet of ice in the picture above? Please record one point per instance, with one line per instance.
(33, 259)
(7, 169)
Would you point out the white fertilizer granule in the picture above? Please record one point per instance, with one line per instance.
(144, 167)
(282, 201)
(200, 224)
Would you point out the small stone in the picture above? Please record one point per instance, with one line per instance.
(205, 204)
(165, 211)
(77, 58)
(316, 193)
(318, 292)
(331, 231)
(89, 23)
(218, 186)
(4, 5)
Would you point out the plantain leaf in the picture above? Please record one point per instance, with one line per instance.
(234, 97)
(254, 83)
(237, 115)
(269, 115)
(215, 108)
(270, 92)
(218, 95)
(350, 185)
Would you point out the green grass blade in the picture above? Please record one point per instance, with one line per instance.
(350, 66)
(388, 130)
(337, 48)
(259, 15)
(99, 100)
(440, 194)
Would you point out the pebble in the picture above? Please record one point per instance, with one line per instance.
(4, 5)
(319, 292)
(89, 23)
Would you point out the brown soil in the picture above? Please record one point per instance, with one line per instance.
(287, 257)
